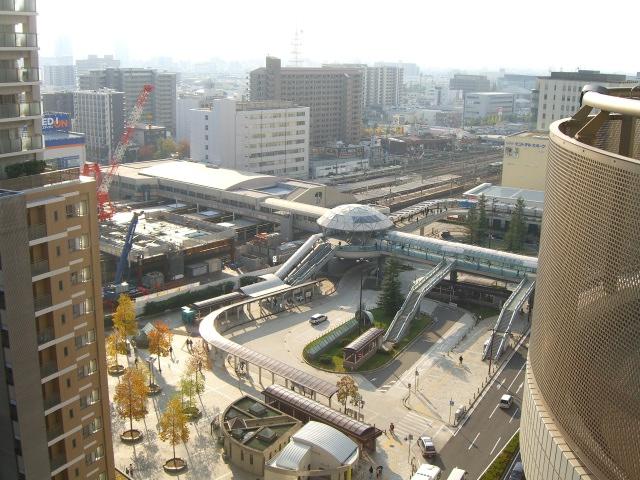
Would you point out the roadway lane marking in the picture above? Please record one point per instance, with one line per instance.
(519, 388)
(515, 378)
(513, 416)
(473, 441)
(499, 383)
(494, 410)
(494, 447)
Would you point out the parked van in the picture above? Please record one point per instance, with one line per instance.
(457, 474)
(427, 472)
(506, 401)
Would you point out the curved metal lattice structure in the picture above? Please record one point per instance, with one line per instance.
(585, 343)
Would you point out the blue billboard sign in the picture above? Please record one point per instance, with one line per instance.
(56, 122)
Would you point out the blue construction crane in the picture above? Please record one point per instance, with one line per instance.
(112, 291)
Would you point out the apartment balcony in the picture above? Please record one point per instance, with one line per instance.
(39, 267)
(19, 110)
(51, 400)
(18, 6)
(37, 231)
(22, 144)
(19, 75)
(18, 40)
(57, 461)
(35, 181)
(45, 335)
(41, 302)
(54, 431)
(48, 368)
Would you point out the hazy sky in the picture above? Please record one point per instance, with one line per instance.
(463, 34)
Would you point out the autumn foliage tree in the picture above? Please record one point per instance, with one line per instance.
(124, 318)
(131, 399)
(173, 426)
(115, 345)
(159, 341)
(347, 388)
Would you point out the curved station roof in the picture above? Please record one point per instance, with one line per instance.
(355, 218)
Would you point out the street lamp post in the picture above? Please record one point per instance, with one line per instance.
(410, 438)
(359, 312)
(491, 348)
(416, 382)
(451, 403)
(150, 361)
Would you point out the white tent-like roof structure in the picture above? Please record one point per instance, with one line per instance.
(355, 218)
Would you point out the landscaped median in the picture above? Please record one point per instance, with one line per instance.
(503, 460)
(330, 357)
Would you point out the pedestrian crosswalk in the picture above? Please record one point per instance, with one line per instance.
(412, 423)
(386, 386)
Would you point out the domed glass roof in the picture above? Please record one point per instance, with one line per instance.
(355, 218)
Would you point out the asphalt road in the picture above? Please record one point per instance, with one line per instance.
(489, 427)
(445, 319)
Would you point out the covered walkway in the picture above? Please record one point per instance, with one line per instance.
(217, 322)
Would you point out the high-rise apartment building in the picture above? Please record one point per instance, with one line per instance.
(383, 86)
(269, 137)
(160, 108)
(334, 95)
(59, 77)
(581, 402)
(558, 95)
(94, 62)
(100, 116)
(54, 409)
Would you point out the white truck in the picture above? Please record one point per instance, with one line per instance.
(427, 472)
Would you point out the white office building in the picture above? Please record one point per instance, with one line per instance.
(269, 137)
(59, 77)
(487, 105)
(100, 116)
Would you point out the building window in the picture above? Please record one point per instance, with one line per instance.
(55, 215)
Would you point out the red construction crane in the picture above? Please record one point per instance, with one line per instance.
(104, 178)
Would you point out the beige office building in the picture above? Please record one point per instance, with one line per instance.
(54, 413)
(524, 164)
(581, 402)
(334, 95)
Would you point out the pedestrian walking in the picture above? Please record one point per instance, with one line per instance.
(131, 469)
(460, 358)
(371, 471)
(126, 470)
(171, 351)
(136, 361)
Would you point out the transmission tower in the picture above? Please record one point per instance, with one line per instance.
(296, 49)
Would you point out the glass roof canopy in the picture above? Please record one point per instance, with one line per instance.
(355, 218)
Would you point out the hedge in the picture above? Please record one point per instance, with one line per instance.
(501, 463)
(187, 298)
(31, 167)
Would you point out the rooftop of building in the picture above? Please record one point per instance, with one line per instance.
(587, 76)
(532, 198)
(355, 218)
(316, 436)
(255, 424)
(54, 138)
(531, 134)
(490, 94)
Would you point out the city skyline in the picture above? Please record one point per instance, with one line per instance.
(144, 34)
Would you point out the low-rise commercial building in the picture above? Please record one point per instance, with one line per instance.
(487, 106)
(254, 433)
(525, 160)
(315, 451)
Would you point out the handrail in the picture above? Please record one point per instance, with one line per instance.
(610, 103)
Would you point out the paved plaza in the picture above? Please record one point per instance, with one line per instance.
(434, 355)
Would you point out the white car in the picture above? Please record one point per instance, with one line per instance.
(506, 401)
(317, 318)
(427, 472)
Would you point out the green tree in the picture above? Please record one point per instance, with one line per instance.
(483, 221)
(347, 388)
(472, 225)
(173, 427)
(165, 148)
(391, 298)
(514, 239)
